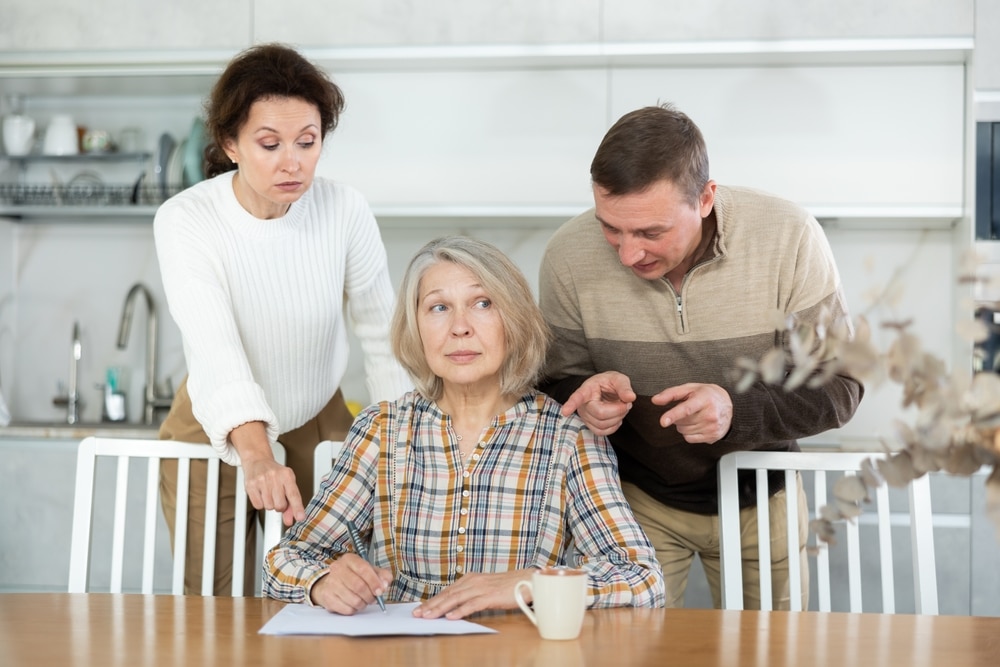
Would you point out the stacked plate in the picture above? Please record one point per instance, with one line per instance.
(194, 151)
(178, 165)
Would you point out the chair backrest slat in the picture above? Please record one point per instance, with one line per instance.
(764, 540)
(83, 504)
(324, 455)
(854, 566)
(922, 539)
(240, 528)
(885, 550)
(211, 518)
(823, 555)
(121, 512)
(152, 452)
(149, 534)
(792, 536)
(180, 523)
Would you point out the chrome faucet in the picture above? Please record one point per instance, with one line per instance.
(151, 400)
(72, 398)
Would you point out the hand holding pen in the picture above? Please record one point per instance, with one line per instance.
(359, 548)
(350, 582)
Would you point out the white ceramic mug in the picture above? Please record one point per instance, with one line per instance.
(18, 134)
(559, 600)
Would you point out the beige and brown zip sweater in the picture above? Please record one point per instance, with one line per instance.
(768, 254)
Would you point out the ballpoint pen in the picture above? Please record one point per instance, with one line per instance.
(361, 551)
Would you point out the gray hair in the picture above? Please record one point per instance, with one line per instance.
(525, 331)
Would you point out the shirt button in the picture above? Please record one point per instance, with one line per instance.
(460, 549)
(466, 473)
(475, 457)
(458, 568)
(464, 511)
(461, 531)
(465, 494)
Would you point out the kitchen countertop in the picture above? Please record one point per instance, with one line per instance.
(79, 431)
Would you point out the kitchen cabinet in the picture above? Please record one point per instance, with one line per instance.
(495, 134)
(850, 143)
(228, 25)
(986, 63)
(430, 22)
(67, 25)
(785, 19)
(455, 22)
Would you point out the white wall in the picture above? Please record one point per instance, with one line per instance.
(82, 272)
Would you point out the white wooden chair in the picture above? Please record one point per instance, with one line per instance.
(324, 455)
(822, 463)
(153, 451)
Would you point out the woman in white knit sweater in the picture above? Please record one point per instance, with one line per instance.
(256, 264)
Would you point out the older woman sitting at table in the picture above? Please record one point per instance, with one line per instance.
(465, 485)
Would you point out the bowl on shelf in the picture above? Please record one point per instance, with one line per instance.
(61, 136)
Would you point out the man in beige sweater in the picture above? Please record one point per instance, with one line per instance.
(652, 297)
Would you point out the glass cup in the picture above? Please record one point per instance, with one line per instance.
(559, 600)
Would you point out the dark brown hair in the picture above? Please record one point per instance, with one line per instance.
(260, 72)
(651, 144)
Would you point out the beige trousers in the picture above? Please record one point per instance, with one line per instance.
(678, 535)
(332, 423)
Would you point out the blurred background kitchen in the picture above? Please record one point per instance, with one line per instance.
(482, 118)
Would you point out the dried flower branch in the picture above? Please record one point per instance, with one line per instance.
(957, 423)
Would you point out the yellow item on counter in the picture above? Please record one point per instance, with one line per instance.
(354, 407)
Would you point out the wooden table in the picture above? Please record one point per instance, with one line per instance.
(63, 630)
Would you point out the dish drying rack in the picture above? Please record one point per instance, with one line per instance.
(90, 194)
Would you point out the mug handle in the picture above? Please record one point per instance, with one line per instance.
(520, 600)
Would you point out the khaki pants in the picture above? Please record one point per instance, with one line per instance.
(678, 535)
(332, 423)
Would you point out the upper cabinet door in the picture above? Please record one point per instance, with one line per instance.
(130, 25)
(493, 139)
(986, 61)
(683, 20)
(344, 23)
(886, 138)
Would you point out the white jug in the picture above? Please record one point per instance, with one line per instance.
(18, 134)
(61, 137)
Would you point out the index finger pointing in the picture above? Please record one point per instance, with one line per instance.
(295, 505)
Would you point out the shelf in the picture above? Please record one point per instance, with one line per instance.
(526, 216)
(68, 213)
(887, 218)
(96, 200)
(505, 216)
(108, 156)
(72, 72)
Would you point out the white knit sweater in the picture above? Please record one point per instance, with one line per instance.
(260, 304)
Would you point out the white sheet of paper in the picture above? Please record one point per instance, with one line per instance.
(301, 619)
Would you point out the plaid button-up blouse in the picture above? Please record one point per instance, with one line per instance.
(539, 490)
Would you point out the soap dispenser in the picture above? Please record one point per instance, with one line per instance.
(114, 396)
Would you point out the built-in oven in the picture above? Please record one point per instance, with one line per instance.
(988, 180)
